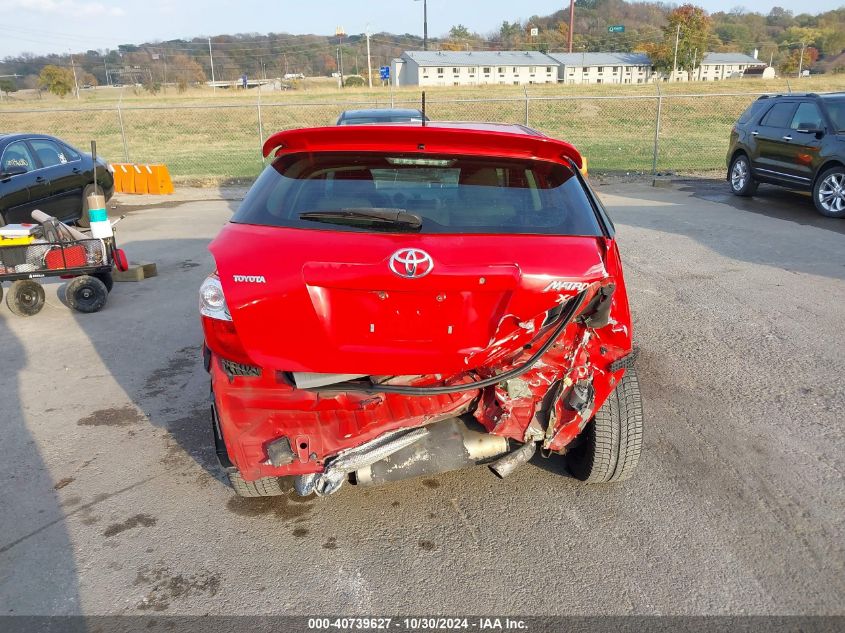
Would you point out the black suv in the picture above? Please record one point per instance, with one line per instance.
(795, 141)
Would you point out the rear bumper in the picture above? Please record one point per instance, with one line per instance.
(253, 411)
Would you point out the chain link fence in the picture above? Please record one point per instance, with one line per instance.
(211, 144)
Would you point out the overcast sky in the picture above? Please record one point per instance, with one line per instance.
(54, 26)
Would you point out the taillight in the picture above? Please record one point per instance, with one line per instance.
(220, 334)
(212, 301)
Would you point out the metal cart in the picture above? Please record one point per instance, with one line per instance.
(88, 263)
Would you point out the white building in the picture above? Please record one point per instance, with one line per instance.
(717, 66)
(603, 68)
(473, 68)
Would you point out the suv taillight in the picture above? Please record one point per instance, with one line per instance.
(220, 333)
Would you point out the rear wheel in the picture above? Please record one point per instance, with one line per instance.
(86, 294)
(829, 192)
(264, 487)
(609, 448)
(25, 298)
(739, 175)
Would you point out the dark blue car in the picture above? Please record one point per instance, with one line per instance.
(42, 172)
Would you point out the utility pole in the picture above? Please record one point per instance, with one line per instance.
(164, 85)
(571, 22)
(675, 60)
(425, 24)
(211, 58)
(801, 61)
(369, 62)
(75, 82)
(340, 33)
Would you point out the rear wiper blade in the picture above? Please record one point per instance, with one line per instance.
(370, 217)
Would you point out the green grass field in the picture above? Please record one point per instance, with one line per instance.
(210, 137)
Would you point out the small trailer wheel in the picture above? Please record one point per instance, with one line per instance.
(86, 294)
(25, 298)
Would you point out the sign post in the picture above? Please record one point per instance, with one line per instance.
(617, 28)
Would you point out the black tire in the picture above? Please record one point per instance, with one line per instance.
(25, 298)
(742, 183)
(826, 185)
(83, 221)
(609, 447)
(106, 278)
(86, 294)
(264, 487)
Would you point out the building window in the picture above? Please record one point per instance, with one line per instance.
(548, 69)
(500, 70)
(715, 68)
(598, 81)
(615, 69)
(439, 71)
(486, 70)
(456, 70)
(601, 69)
(516, 83)
(532, 69)
(515, 70)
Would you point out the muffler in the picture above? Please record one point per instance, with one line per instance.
(510, 462)
(450, 445)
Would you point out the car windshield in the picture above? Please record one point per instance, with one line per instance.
(427, 194)
(836, 110)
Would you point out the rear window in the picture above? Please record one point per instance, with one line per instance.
(751, 111)
(449, 194)
(779, 116)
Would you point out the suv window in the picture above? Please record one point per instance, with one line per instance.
(451, 194)
(836, 111)
(779, 116)
(49, 153)
(807, 117)
(17, 154)
(751, 111)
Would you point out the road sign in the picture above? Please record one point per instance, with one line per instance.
(535, 32)
(384, 73)
(617, 28)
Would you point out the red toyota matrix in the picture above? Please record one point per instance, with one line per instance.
(404, 300)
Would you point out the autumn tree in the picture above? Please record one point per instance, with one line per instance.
(793, 61)
(57, 80)
(690, 26)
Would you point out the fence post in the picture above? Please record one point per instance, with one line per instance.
(657, 130)
(260, 128)
(525, 90)
(123, 134)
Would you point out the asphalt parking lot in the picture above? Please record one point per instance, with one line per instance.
(112, 502)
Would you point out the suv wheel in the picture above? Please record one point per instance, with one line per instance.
(609, 448)
(829, 192)
(742, 184)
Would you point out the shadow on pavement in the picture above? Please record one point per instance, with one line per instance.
(38, 574)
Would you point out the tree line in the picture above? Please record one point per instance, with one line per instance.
(779, 36)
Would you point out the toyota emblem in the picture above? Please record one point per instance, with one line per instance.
(411, 263)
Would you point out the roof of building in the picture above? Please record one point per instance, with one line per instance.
(730, 58)
(601, 59)
(479, 58)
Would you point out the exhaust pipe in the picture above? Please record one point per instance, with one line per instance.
(510, 462)
(450, 445)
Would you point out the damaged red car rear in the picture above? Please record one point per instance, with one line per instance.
(399, 301)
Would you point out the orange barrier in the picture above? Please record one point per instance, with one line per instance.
(140, 177)
(158, 180)
(132, 178)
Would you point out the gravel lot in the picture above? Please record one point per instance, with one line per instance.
(112, 501)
